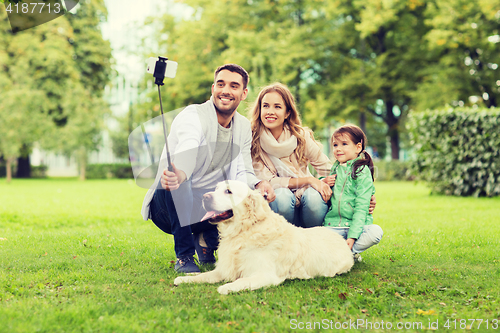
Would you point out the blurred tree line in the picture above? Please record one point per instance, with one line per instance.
(366, 61)
(52, 79)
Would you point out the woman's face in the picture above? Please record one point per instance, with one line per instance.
(273, 113)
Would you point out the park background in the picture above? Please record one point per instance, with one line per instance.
(421, 77)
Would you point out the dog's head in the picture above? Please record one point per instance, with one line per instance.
(232, 198)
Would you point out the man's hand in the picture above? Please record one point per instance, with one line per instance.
(330, 180)
(171, 180)
(350, 242)
(373, 203)
(266, 190)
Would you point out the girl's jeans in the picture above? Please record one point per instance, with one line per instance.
(372, 234)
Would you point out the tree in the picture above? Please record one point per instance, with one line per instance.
(69, 63)
(22, 121)
(463, 41)
(344, 60)
(92, 56)
(257, 35)
(373, 47)
(337, 63)
(36, 74)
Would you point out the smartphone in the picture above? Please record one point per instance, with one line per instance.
(170, 70)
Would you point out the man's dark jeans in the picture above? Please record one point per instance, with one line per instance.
(164, 214)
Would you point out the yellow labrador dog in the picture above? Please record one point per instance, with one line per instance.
(259, 248)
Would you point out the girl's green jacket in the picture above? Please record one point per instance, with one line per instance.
(351, 199)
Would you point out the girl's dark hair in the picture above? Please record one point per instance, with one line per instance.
(356, 135)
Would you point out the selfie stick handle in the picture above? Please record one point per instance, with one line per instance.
(169, 162)
(159, 75)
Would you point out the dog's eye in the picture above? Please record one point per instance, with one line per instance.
(228, 191)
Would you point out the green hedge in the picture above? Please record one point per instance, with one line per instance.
(457, 150)
(39, 171)
(103, 171)
(392, 170)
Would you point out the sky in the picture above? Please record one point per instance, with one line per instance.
(124, 30)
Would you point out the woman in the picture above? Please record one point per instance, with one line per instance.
(281, 151)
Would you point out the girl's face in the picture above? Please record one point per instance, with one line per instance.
(273, 113)
(344, 149)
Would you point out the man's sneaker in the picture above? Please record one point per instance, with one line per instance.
(205, 254)
(186, 265)
(357, 257)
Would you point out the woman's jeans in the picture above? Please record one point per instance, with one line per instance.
(310, 213)
(163, 213)
(371, 235)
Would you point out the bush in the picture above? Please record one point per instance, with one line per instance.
(392, 170)
(457, 150)
(39, 171)
(103, 171)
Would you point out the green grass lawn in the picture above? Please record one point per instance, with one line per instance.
(77, 257)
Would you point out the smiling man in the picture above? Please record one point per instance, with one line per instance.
(209, 143)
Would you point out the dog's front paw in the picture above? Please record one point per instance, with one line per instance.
(181, 279)
(229, 288)
(224, 289)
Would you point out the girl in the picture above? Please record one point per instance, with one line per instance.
(348, 214)
(281, 152)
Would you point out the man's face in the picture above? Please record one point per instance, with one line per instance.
(228, 91)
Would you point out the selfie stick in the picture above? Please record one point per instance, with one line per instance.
(159, 75)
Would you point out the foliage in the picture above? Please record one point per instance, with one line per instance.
(51, 82)
(457, 150)
(92, 59)
(392, 170)
(342, 59)
(82, 259)
(103, 171)
(119, 136)
(463, 43)
(39, 171)
(36, 74)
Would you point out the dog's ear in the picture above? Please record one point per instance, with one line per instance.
(253, 209)
(260, 206)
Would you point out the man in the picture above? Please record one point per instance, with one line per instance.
(209, 143)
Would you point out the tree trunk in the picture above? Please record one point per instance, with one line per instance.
(82, 171)
(82, 161)
(8, 167)
(23, 167)
(394, 135)
(393, 131)
(362, 121)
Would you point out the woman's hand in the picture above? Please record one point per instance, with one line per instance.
(350, 242)
(330, 180)
(322, 187)
(266, 190)
(373, 203)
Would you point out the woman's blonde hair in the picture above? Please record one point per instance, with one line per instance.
(293, 122)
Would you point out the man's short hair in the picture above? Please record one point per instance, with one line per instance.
(235, 69)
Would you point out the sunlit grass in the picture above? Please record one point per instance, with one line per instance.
(77, 257)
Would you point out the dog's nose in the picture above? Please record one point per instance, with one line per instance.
(207, 200)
